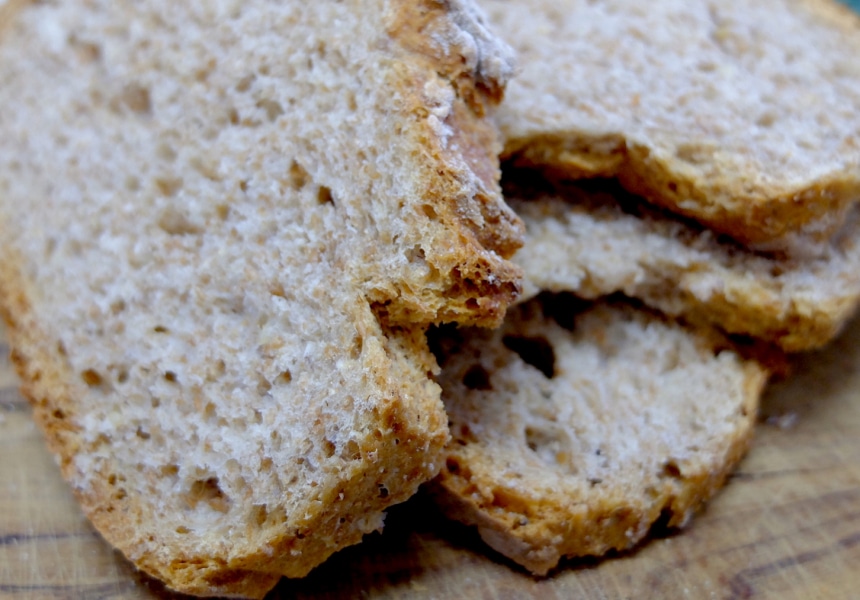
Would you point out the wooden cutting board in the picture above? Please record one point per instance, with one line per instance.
(787, 526)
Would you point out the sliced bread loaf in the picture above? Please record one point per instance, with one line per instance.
(742, 115)
(574, 433)
(212, 218)
(595, 239)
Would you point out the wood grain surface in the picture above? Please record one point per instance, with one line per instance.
(787, 526)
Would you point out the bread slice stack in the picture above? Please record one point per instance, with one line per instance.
(735, 122)
(225, 227)
(702, 158)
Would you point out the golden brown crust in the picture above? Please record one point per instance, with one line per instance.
(750, 216)
(481, 283)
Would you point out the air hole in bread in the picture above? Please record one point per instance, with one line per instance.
(169, 470)
(91, 378)
(477, 378)
(264, 386)
(168, 187)
(509, 502)
(535, 351)
(86, 51)
(144, 435)
(166, 152)
(357, 347)
(383, 491)
(415, 255)
(50, 246)
(245, 83)
(132, 184)
(272, 108)
(661, 527)
(182, 530)
(170, 376)
(671, 469)
(284, 378)
(324, 195)
(465, 435)
(563, 308)
(298, 176)
(59, 414)
(351, 451)
(260, 514)
(549, 444)
(117, 306)
(233, 116)
(328, 448)
(429, 211)
(767, 119)
(122, 376)
(209, 492)
(173, 222)
(135, 98)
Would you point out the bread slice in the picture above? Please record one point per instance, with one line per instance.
(595, 240)
(574, 433)
(741, 115)
(213, 217)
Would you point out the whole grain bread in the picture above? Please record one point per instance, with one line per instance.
(742, 115)
(575, 431)
(213, 217)
(594, 239)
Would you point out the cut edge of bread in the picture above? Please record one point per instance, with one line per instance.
(785, 220)
(707, 279)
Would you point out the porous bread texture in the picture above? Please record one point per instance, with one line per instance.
(742, 115)
(596, 240)
(574, 433)
(206, 209)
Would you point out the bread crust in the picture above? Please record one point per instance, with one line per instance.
(766, 218)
